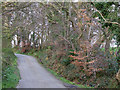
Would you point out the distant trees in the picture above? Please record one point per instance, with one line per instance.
(37, 20)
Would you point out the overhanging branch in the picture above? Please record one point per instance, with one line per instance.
(105, 19)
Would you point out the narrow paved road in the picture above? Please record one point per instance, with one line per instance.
(33, 75)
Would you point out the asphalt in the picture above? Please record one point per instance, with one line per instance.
(34, 75)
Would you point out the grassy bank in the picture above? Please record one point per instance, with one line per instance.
(10, 72)
(67, 81)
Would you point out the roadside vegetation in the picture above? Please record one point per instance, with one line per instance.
(10, 72)
(63, 70)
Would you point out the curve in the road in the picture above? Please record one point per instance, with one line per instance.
(33, 75)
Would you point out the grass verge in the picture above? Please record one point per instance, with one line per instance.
(10, 72)
(65, 80)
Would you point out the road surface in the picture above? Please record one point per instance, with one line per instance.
(33, 75)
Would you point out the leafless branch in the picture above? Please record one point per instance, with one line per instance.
(68, 42)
